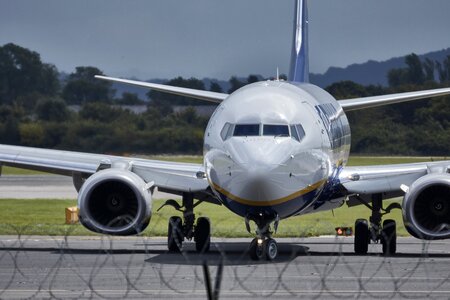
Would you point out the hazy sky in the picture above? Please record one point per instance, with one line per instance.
(218, 38)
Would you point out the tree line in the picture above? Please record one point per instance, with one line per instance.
(414, 128)
(35, 110)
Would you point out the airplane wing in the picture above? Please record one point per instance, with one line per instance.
(387, 179)
(367, 102)
(169, 176)
(198, 94)
(347, 104)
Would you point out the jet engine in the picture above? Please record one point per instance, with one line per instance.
(115, 201)
(426, 207)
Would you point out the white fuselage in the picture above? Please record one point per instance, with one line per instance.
(272, 148)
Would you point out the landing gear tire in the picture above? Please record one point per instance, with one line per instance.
(175, 234)
(256, 250)
(202, 235)
(361, 236)
(389, 237)
(271, 249)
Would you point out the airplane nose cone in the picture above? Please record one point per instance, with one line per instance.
(263, 171)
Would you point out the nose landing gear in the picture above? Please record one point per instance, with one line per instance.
(263, 246)
(263, 249)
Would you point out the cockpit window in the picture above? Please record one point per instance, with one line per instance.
(226, 132)
(246, 130)
(297, 132)
(276, 130)
(300, 131)
(294, 133)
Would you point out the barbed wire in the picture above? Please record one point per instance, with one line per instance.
(107, 267)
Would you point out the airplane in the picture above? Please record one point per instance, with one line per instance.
(272, 150)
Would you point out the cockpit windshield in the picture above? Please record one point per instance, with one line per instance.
(295, 131)
(276, 130)
(246, 130)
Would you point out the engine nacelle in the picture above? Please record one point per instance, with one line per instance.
(426, 207)
(115, 201)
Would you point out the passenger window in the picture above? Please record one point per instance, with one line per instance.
(276, 130)
(246, 130)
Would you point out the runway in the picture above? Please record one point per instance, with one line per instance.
(139, 267)
(45, 187)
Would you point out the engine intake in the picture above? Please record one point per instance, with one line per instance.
(116, 202)
(426, 207)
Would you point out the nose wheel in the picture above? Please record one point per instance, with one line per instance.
(263, 246)
(263, 249)
(271, 248)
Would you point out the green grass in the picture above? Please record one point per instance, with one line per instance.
(16, 171)
(197, 159)
(47, 217)
(37, 216)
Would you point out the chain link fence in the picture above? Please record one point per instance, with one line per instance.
(61, 267)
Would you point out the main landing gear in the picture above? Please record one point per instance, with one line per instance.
(385, 234)
(178, 230)
(263, 246)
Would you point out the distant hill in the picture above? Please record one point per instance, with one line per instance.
(371, 72)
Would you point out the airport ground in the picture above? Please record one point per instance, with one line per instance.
(140, 267)
(40, 215)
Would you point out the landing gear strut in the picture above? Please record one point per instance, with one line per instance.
(385, 234)
(263, 246)
(180, 229)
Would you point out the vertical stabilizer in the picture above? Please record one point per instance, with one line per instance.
(299, 68)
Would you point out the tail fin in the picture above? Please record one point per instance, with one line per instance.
(299, 68)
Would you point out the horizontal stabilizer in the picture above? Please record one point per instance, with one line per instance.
(367, 102)
(197, 94)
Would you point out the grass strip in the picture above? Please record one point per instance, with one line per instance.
(16, 171)
(47, 217)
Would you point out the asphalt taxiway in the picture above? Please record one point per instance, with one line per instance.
(139, 267)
